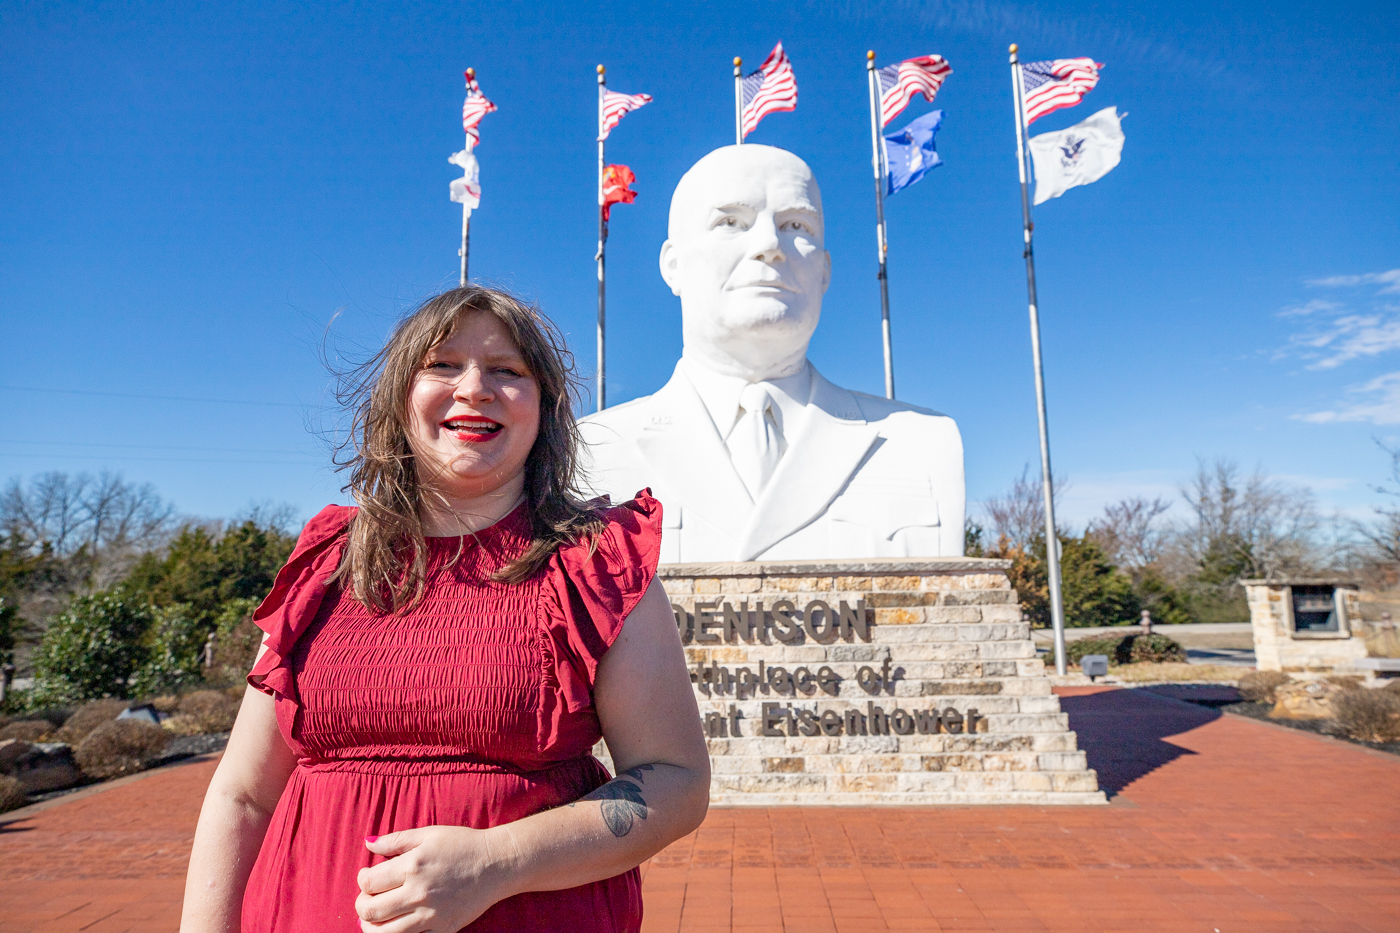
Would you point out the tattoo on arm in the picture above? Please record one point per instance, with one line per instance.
(622, 803)
(636, 773)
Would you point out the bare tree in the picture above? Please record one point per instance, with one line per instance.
(70, 513)
(1019, 516)
(1247, 526)
(1129, 532)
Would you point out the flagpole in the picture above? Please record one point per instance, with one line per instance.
(877, 127)
(466, 211)
(738, 101)
(1052, 541)
(602, 241)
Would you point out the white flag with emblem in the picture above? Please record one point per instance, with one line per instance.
(467, 189)
(1082, 154)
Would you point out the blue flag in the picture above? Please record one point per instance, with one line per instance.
(909, 152)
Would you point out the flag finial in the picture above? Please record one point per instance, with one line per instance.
(470, 72)
(870, 56)
(601, 69)
(1014, 48)
(738, 61)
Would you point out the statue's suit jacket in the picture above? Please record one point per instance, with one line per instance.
(861, 477)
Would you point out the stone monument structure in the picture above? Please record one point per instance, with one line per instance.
(842, 650)
(754, 454)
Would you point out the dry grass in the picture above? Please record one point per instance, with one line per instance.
(204, 712)
(11, 793)
(1259, 686)
(30, 730)
(120, 747)
(87, 718)
(1175, 672)
(1369, 715)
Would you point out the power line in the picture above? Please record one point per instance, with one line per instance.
(229, 450)
(121, 457)
(158, 398)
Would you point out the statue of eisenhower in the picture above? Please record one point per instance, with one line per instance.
(753, 454)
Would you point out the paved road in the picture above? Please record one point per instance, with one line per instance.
(1216, 823)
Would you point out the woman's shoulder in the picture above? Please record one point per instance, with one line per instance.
(630, 534)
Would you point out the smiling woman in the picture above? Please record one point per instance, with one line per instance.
(439, 663)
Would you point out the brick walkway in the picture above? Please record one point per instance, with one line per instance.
(1217, 823)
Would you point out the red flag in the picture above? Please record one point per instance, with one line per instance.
(616, 179)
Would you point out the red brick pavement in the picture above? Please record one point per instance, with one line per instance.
(1218, 823)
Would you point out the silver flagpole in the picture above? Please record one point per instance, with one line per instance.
(738, 101)
(1052, 541)
(466, 212)
(602, 241)
(877, 128)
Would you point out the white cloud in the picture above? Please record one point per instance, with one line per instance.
(1389, 279)
(1311, 307)
(1350, 337)
(1377, 402)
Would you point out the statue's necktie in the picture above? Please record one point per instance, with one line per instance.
(755, 444)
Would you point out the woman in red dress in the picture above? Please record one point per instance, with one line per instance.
(439, 662)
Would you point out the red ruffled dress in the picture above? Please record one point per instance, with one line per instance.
(473, 709)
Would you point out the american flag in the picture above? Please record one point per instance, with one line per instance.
(771, 88)
(899, 83)
(616, 106)
(1053, 85)
(475, 107)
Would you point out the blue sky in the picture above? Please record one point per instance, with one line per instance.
(198, 197)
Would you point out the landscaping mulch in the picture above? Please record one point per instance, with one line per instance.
(1228, 700)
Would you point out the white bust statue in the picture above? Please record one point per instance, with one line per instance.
(752, 453)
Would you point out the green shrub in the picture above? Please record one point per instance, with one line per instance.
(1369, 715)
(1259, 686)
(1132, 648)
(88, 718)
(236, 642)
(176, 645)
(11, 793)
(92, 650)
(120, 747)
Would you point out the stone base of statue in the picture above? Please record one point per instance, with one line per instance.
(879, 681)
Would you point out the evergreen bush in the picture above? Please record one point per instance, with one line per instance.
(92, 650)
(1134, 648)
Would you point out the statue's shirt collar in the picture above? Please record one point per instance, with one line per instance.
(720, 395)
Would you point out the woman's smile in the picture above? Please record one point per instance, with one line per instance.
(472, 430)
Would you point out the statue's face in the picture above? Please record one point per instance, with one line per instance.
(745, 252)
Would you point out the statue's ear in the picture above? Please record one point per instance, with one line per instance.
(670, 267)
(826, 270)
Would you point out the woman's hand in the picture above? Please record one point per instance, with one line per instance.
(436, 878)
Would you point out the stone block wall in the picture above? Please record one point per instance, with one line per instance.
(882, 681)
(1301, 654)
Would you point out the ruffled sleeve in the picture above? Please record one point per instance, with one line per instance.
(595, 588)
(296, 597)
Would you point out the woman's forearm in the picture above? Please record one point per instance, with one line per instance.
(226, 845)
(606, 832)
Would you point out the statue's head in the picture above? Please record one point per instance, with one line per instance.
(745, 254)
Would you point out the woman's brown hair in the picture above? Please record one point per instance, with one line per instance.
(386, 555)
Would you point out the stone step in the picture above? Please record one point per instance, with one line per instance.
(946, 798)
(905, 762)
(906, 782)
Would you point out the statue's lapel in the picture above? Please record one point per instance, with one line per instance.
(822, 456)
(681, 443)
